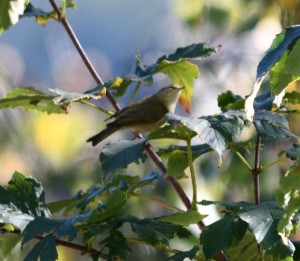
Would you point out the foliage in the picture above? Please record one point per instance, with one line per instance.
(101, 218)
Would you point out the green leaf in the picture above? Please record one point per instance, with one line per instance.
(287, 196)
(221, 234)
(283, 41)
(45, 249)
(292, 98)
(177, 163)
(8, 241)
(10, 10)
(262, 221)
(21, 201)
(229, 101)
(116, 244)
(156, 232)
(30, 98)
(294, 153)
(183, 219)
(42, 225)
(280, 76)
(64, 97)
(120, 154)
(28, 195)
(115, 204)
(271, 125)
(182, 255)
(149, 179)
(216, 131)
(181, 73)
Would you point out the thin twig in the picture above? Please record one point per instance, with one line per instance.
(110, 113)
(82, 54)
(244, 161)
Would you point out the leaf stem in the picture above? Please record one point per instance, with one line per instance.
(156, 200)
(193, 176)
(108, 112)
(244, 161)
(271, 164)
(137, 87)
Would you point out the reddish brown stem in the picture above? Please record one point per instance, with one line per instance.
(256, 171)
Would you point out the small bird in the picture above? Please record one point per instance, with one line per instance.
(144, 115)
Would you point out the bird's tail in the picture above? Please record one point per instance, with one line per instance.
(102, 135)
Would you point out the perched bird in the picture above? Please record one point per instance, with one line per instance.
(144, 115)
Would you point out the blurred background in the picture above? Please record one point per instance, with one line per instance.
(52, 148)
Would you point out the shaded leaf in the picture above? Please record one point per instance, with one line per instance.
(292, 97)
(269, 124)
(8, 241)
(294, 153)
(229, 101)
(42, 225)
(28, 195)
(10, 12)
(182, 255)
(116, 244)
(216, 131)
(45, 249)
(30, 98)
(177, 163)
(120, 154)
(149, 179)
(184, 218)
(221, 234)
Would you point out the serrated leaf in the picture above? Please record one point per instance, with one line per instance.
(182, 255)
(287, 196)
(28, 195)
(64, 97)
(45, 249)
(279, 76)
(42, 225)
(116, 244)
(280, 44)
(30, 98)
(229, 101)
(221, 234)
(120, 154)
(155, 232)
(183, 219)
(181, 73)
(262, 221)
(269, 124)
(292, 98)
(10, 12)
(216, 131)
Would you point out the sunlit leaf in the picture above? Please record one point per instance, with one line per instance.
(183, 219)
(10, 12)
(30, 98)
